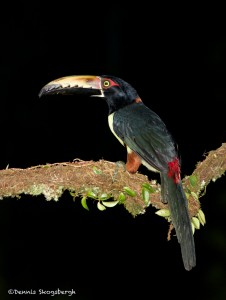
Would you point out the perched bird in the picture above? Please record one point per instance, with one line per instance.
(146, 139)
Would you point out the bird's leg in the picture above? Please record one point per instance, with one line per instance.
(118, 165)
(164, 189)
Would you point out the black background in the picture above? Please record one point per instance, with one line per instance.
(176, 59)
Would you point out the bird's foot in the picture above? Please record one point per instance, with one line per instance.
(118, 165)
(164, 201)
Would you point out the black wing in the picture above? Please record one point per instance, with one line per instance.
(145, 133)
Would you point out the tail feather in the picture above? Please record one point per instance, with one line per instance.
(173, 193)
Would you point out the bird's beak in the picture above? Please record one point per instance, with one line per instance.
(87, 85)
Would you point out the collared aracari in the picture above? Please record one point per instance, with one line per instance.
(146, 139)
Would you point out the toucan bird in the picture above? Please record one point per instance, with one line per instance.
(146, 139)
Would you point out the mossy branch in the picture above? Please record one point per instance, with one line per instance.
(98, 180)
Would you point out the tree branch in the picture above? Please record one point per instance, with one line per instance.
(108, 183)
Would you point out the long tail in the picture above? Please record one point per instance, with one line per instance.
(173, 193)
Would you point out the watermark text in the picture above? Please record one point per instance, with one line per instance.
(42, 292)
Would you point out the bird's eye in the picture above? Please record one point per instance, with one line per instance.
(106, 83)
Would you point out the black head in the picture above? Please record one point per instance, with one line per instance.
(118, 93)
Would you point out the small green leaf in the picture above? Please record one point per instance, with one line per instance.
(91, 194)
(129, 191)
(193, 228)
(196, 222)
(110, 203)
(148, 187)
(187, 195)
(145, 195)
(97, 171)
(195, 196)
(46, 166)
(100, 206)
(193, 180)
(84, 204)
(201, 217)
(163, 212)
(104, 196)
(121, 197)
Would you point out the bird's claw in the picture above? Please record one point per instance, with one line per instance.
(118, 165)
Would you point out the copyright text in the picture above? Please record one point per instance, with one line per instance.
(42, 292)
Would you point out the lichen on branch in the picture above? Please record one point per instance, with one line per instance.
(103, 180)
